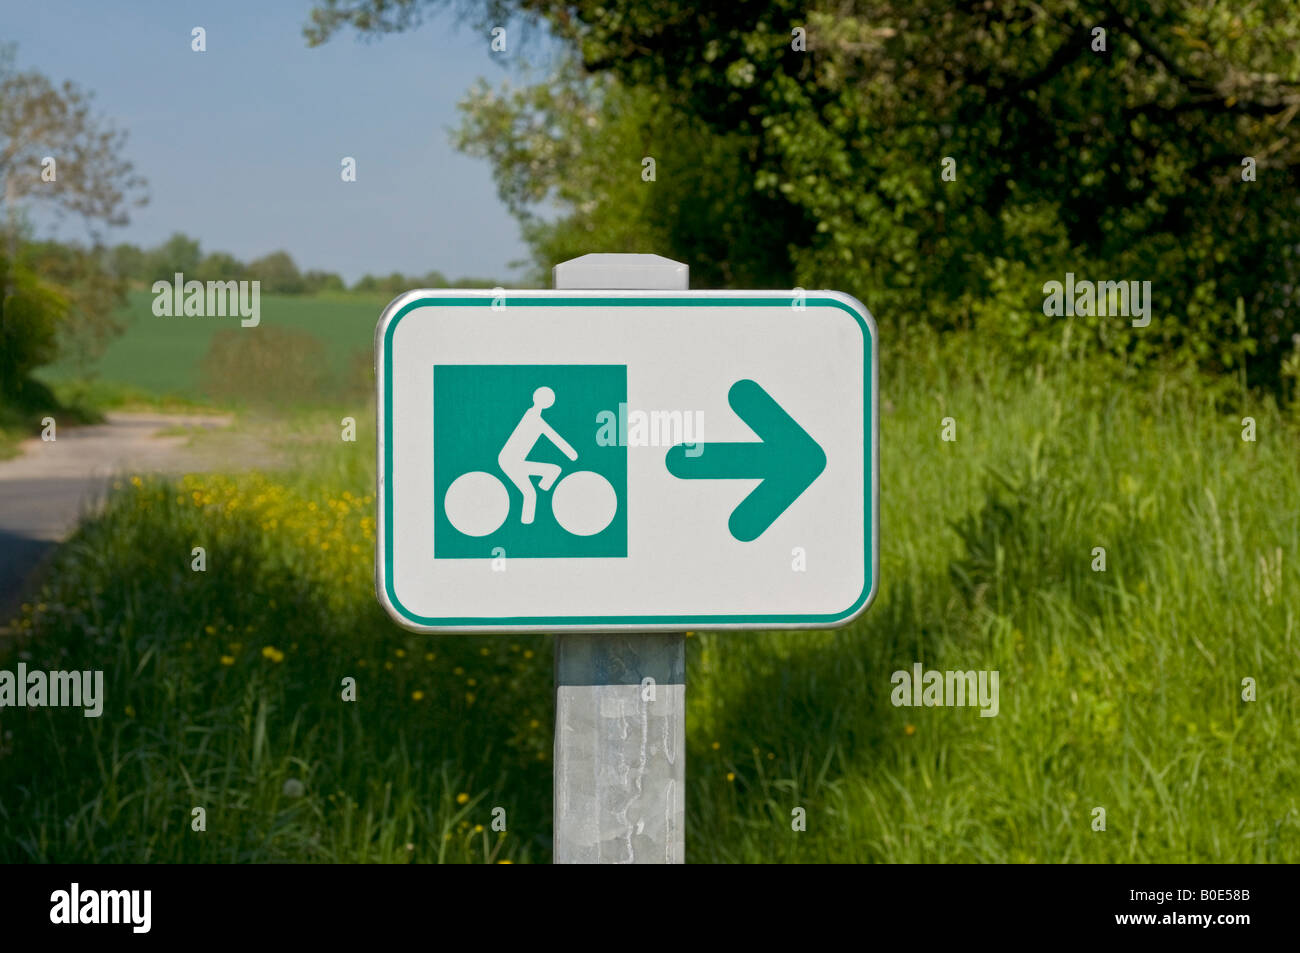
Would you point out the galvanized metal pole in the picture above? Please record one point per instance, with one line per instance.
(620, 699)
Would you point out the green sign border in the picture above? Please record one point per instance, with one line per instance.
(631, 622)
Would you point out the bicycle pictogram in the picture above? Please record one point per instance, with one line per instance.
(583, 502)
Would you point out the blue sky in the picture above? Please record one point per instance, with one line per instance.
(241, 145)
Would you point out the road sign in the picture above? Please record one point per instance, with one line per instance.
(626, 460)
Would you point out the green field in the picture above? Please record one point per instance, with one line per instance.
(1119, 689)
(163, 356)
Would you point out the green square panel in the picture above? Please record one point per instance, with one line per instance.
(518, 470)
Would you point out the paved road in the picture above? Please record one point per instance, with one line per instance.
(45, 491)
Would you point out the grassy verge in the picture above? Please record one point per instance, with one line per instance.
(22, 414)
(1119, 689)
(110, 395)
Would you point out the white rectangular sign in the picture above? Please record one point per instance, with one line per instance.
(626, 460)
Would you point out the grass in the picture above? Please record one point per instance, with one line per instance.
(22, 415)
(1120, 689)
(305, 350)
(160, 357)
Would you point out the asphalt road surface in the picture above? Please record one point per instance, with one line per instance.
(45, 491)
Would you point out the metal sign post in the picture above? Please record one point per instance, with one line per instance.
(618, 461)
(620, 700)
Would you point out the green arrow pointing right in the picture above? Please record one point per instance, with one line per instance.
(785, 458)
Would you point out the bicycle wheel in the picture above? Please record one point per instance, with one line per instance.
(584, 503)
(476, 503)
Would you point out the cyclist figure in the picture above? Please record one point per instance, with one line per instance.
(513, 458)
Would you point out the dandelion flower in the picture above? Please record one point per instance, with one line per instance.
(462, 798)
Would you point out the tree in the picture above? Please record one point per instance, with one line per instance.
(1118, 156)
(314, 282)
(180, 254)
(53, 150)
(277, 273)
(220, 266)
(40, 121)
(128, 261)
(630, 176)
(88, 289)
(30, 313)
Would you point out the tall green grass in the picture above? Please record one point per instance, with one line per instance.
(1119, 689)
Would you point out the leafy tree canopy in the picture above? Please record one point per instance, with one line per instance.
(1104, 137)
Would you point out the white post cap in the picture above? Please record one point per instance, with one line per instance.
(621, 272)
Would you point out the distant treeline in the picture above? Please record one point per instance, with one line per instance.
(277, 272)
